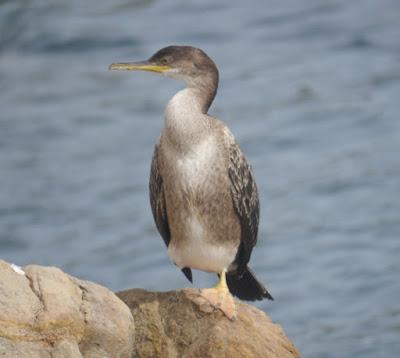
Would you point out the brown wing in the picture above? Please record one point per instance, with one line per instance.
(157, 200)
(245, 201)
(158, 205)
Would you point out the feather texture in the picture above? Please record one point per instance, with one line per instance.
(246, 203)
(242, 282)
(157, 200)
(158, 206)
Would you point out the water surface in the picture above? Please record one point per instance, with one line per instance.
(309, 88)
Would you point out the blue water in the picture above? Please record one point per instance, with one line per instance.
(311, 90)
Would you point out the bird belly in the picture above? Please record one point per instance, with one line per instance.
(197, 251)
(205, 232)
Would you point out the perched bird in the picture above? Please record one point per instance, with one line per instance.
(202, 191)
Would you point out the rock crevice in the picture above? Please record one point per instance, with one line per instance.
(37, 293)
(83, 300)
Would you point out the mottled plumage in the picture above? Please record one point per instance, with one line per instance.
(158, 207)
(241, 209)
(203, 194)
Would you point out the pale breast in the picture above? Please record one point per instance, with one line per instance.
(193, 168)
(199, 253)
(199, 207)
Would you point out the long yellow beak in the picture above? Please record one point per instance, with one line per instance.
(139, 66)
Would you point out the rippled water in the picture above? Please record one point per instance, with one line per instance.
(311, 90)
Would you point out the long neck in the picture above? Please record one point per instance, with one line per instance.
(186, 122)
(206, 87)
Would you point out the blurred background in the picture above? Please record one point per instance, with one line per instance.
(311, 90)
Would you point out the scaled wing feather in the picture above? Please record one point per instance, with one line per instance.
(246, 202)
(157, 200)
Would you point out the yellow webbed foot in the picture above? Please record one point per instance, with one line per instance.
(217, 297)
(220, 298)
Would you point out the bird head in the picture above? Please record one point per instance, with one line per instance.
(186, 63)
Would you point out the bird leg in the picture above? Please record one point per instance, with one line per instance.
(220, 297)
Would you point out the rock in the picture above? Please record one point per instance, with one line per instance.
(169, 324)
(47, 313)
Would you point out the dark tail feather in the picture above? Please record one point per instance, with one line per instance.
(188, 273)
(246, 287)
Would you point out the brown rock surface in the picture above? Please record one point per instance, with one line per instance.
(47, 313)
(168, 324)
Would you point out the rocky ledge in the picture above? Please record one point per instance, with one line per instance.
(47, 313)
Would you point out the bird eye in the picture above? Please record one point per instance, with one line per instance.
(164, 61)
